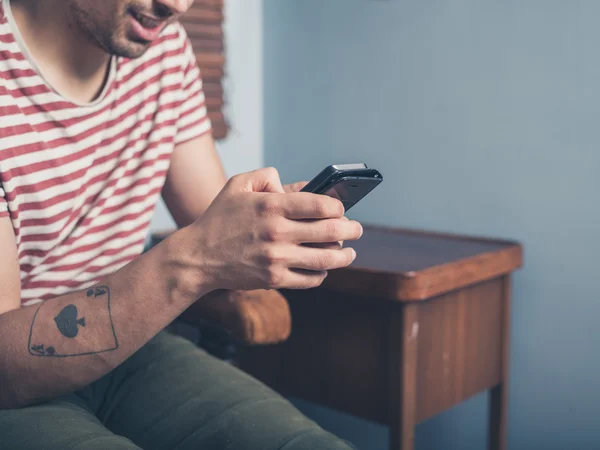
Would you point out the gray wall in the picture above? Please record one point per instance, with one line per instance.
(484, 118)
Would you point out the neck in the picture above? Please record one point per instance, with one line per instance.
(74, 64)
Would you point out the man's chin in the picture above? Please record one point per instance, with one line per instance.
(131, 49)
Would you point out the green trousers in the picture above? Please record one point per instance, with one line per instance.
(170, 395)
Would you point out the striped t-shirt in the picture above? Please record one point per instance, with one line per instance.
(80, 182)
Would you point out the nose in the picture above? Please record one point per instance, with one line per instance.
(174, 7)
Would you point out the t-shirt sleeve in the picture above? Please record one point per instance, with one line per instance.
(193, 118)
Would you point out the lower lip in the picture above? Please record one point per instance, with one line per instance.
(146, 34)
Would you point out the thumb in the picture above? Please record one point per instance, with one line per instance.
(264, 180)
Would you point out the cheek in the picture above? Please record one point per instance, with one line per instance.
(104, 14)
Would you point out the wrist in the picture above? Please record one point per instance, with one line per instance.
(181, 263)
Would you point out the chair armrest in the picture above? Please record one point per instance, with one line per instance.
(252, 317)
(255, 317)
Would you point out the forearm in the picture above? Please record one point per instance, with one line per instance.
(69, 341)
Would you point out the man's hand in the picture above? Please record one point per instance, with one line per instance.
(253, 234)
(294, 187)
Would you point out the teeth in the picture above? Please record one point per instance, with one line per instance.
(146, 22)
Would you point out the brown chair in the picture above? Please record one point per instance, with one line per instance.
(251, 317)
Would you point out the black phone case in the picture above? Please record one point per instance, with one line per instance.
(331, 174)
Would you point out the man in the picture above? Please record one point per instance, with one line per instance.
(101, 110)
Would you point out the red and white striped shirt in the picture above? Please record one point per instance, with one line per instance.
(80, 182)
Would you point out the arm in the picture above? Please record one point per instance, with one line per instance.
(69, 341)
(247, 239)
(194, 179)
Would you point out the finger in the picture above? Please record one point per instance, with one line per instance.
(261, 180)
(325, 245)
(303, 279)
(342, 242)
(304, 205)
(318, 259)
(319, 231)
(294, 187)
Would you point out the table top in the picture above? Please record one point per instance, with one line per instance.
(411, 265)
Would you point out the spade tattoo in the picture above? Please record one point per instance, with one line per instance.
(67, 321)
(67, 339)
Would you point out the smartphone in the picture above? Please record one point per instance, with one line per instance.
(349, 183)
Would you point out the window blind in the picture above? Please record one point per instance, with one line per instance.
(203, 23)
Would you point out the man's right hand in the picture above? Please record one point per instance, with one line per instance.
(252, 236)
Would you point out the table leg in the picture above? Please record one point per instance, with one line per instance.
(497, 422)
(499, 394)
(404, 334)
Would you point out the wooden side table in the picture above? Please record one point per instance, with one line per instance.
(419, 323)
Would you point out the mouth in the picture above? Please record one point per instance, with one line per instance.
(147, 21)
(146, 27)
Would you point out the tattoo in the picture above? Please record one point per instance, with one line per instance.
(71, 334)
(40, 351)
(67, 321)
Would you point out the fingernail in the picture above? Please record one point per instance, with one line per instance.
(353, 254)
(361, 229)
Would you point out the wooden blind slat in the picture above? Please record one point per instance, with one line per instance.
(212, 74)
(208, 45)
(215, 110)
(214, 102)
(207, 51)
(213, 89)
(217, 118)
(210, 4)
(203, 15)
(210, 59)
(219, 125)
(210, 66)
(204, 31)
(220, 132)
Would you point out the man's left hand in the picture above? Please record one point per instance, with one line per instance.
(294, 187)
